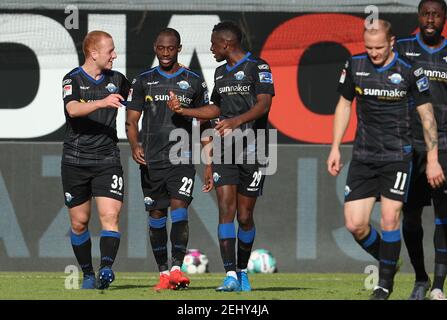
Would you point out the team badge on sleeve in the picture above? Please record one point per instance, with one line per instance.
(265, 77)
(68, 90)
(422, 84)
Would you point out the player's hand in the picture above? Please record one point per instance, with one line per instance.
(435, 174)
(174, 103)
(208, 178)
(334, 164)
(226, 126)
(138, 154)
(113, 101)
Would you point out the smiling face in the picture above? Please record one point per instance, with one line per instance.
(104, 53)
(379, 47)
(167, 48)
(218, 46)
(431, 18)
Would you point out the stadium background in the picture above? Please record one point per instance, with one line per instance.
(299, 218)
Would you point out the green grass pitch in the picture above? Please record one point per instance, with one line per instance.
(136, 286)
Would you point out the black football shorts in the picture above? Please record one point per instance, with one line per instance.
(161, 185)
(81, 183)
(379, 178)
(248, 177)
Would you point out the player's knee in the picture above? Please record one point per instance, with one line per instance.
(78, 227)
(245, 221)
(110, 220)
(390, 222)
(359, 231)
(157, 214)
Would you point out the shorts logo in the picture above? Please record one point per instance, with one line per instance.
(265, 77)
(148, 201)
(68, 197)
(395, 78)
(183, 85)
(347, 191)
(216, 176)
(66, 81)
(111, 88)
(239, 75)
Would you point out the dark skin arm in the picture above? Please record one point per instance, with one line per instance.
(208, 173)
(261, 107)
(207, 112)
(132, 118)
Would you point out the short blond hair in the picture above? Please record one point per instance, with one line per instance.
(91, 39)
(383, 26)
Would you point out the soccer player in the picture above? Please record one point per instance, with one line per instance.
(428, 48)
(91, 166)
(165, 183)
(242, 97)
(382, 83)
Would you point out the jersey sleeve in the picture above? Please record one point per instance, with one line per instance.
(419, 86)
(70, 89)
(346, 86)
(215, 96)
(136, 97)
(263, 78)
(124, 89)
(201, 94)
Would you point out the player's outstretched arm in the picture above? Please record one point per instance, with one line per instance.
(206, 112)
(341, 122)
(435, 175)
(132, 118)
(81, 109)
(262, 106)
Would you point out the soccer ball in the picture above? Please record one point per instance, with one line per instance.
(261, 261)
(195, 262)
